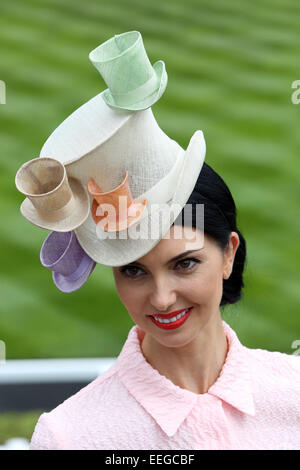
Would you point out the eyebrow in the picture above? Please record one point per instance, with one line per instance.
(176, 258)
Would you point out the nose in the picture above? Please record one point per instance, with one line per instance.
(163, 296)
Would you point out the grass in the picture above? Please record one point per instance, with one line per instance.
(230, 67)
(18, 424)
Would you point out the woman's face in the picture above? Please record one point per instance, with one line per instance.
(154, 284)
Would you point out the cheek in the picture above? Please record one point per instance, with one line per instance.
(214, 285)
(123, 293)
(120, 287)
(128, 294)
(205, 288)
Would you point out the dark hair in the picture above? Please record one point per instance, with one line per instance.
(220, 220)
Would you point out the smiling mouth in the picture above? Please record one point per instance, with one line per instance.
(171, 317)
(172, 323)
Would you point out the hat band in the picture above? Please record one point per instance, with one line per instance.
(136, 95)
(55, 215)
(84, 264)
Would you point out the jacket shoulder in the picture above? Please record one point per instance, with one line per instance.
(275, 362)
(276, 383)
(49, 430)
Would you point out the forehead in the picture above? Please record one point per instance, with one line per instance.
(175, 243)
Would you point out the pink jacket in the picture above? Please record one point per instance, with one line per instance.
(254, 404)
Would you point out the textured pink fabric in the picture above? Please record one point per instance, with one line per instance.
(254, 404)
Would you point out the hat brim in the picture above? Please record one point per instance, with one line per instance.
(73, 221)
(67, 284)
(120, 251)
(162, 80)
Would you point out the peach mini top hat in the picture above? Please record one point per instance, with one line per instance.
(121, 217)
(53, 201)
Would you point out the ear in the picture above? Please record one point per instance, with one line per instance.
(229, 254)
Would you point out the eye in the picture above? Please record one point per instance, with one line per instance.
(185, 263)
(132, 269)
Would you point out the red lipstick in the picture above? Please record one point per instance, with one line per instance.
(167, 316)
(173, 324)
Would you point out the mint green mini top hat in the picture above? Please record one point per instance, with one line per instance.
(133, 83)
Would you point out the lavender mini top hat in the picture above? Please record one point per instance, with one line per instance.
(69, 263)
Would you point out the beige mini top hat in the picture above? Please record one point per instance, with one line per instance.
(113, 151)
(53, 201)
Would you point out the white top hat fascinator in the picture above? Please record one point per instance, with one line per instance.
(138, 179)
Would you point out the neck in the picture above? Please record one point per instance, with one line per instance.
(198, 362)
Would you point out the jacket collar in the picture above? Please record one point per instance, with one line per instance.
(149, 387)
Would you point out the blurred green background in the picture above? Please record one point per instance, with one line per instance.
(230, 67)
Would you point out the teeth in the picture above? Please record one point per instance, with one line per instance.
(160, 320)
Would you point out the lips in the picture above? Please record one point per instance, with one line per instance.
(167, 316)
(174, 324)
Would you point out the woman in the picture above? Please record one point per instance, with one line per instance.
(184, 382)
